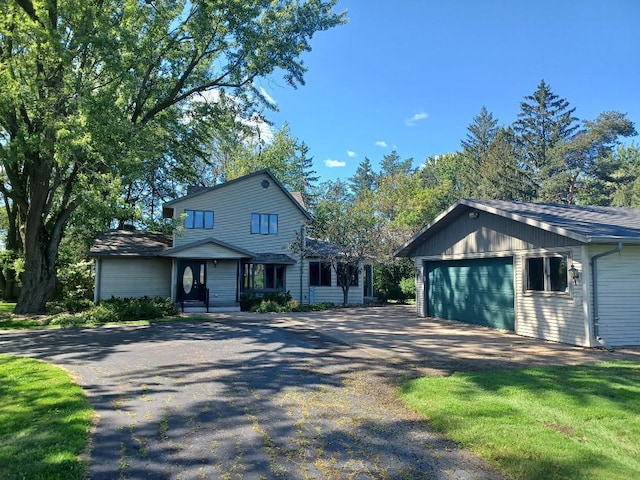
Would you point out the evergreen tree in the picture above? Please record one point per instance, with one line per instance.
(480, 134)
(544, 120)
(364, 180)
(391, 164)
(587, 160)
(500, 175)
(304, 177)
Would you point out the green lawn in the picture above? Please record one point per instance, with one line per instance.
(45, 421)
(547, 423)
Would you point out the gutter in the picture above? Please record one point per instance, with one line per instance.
(596, 312)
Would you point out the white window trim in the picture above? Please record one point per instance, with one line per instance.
(568, 293)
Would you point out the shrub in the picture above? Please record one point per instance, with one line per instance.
(408, 287)
(314, 307)
(138, 308)
(269, 302)
(75, 283)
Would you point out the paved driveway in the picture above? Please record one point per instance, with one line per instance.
(268, 396)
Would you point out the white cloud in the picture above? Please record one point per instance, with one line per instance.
(268, 97)
(381, 143)
(351, 154)
(416, 118)
(329, 162)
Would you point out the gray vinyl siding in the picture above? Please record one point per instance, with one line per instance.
(222, 282)
(558, 317)
(619, 295)
(233, 205)
(488, 233)
(134, 277)
(333, 294)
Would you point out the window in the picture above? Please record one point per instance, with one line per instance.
(198, 219)
(258, 276)
(348, 271)
(320, 274)
(546, 274)
(264, 223)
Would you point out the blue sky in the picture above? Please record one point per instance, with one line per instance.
(411, 75)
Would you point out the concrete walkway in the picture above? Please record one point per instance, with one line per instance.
(304, 396)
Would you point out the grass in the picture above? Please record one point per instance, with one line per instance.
(45, 422)
(547, 423)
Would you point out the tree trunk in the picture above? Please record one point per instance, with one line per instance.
(39, 279)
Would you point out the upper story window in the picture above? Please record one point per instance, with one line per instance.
(264, 223)
(546, 273)
(198, 219)
(320, 274)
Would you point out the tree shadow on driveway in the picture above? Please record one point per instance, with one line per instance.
(239, 399)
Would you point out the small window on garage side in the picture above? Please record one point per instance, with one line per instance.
(546, 274)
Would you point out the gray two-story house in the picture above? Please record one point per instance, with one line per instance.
(237, 237)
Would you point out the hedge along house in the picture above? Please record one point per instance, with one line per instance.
(563, 273)
(236, 238)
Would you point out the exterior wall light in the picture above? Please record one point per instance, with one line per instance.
(473, 214)
(575, 274)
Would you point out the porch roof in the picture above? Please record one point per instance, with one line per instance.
(232, 250)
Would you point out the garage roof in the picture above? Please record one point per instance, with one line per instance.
(586, 224)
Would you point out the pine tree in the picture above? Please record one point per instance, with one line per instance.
(480, 134)
(544, 121)
(500, 175)
(364, 180)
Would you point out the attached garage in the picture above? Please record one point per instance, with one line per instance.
(478, 291)
(562, 273)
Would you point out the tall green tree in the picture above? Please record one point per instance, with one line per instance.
(625, 177)
(544, 120)
(90, 89)
(364, 180)
(585, 158)
(499, 174)
(346, 230)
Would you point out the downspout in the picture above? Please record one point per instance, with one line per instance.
(594, 270)
(303, 241)
(98, 280)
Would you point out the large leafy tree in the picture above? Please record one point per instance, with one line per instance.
(344, 231)
(544, 120)
(93, 90)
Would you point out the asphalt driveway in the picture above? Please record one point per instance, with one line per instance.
(305, 396)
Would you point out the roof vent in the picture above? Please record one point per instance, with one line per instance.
(129, 227)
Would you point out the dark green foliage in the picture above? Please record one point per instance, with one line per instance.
(314, 307)
(364, 180)
(263, 302)
(544, 120)
(112, 310)
(140, 308)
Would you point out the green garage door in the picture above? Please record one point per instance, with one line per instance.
(473, 291)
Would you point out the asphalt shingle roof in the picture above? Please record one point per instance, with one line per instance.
(137, 243)
(591, 222)
(587, 224)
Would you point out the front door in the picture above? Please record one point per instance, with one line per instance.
(191, 280)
